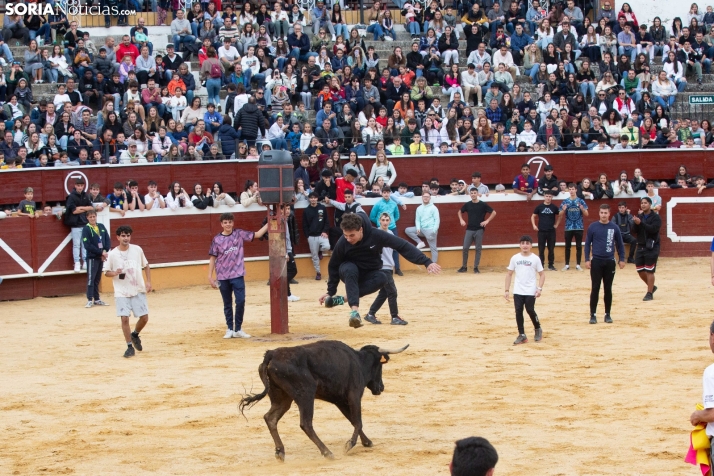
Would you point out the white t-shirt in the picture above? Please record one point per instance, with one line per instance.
(230, 54)
(131, 261)
(527, 269)
(708, 394)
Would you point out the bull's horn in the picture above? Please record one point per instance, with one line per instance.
(387, 351)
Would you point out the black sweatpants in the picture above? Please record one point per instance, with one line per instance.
(94, 276)
(520, 301)
(387, 293)
(601, 270)
(578, 235)
(632, 241)
(291, 268)
(360, 283)
(546, 236)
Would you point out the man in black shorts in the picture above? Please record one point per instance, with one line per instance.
(647, 226)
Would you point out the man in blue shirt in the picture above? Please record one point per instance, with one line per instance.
(390, 206)
(575, 208)
(603, 237)
(505, 145)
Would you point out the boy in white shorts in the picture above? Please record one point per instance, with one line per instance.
(124, 264)
(526, 289)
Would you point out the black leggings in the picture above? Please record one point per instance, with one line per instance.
(601, 270)
(569, 234)
(519, 300)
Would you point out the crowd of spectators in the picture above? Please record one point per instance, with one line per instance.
(306, 81)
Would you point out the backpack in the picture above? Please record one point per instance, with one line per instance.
(216, 70)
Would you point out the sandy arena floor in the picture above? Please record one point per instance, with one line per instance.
(587, 400)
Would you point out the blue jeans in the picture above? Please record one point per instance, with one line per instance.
(194, 29)
(44, 31)
(77, 245)
(229, 288)
(681, 85)
(260, 79)
(160, 108)
(341, 29)
(663, 103)
(414, 28)
(400, 3)
(183, 39)
(391, 33)
(295, 53)
(569, 68)
(213, 85)
(54, 76)
(587, 88)
(281, 63)
(376, 30)
(628, 50)
(6, 53)
(279, 144)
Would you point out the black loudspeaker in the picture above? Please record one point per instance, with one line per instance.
(271, 165)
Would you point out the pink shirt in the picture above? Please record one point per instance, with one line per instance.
(228, 251)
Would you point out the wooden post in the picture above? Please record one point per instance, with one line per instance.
(278, 274)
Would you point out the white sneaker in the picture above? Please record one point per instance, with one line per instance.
(89, 304)
(293, 298)
(84, 266)
(229, 334)
(578, 268)
(420, 245)
(389, 38)
(241, 334)
(77, 267)
(334, 38)
(567, 267)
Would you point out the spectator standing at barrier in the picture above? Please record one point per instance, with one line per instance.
(525, 184)
(603, 238)
(227, 262)
(477, 222)
(387, 204)
(316, 227)
(525, 290)
(546, 213)
(389, 290)
(77, 204)
(623, 219)
(647, 225)
(475, 456)
(96, 243)
(124, 264)
(426, 225)
(547, 182)
(575, 209)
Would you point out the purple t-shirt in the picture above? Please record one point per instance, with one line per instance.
(228, 251)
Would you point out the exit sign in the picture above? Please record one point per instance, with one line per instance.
(702, 99)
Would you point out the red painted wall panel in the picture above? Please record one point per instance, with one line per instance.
(495, 168)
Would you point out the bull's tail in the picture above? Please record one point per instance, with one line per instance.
(251, 399)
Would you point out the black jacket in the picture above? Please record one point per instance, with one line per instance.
(623, 222)
(544, 183)
(367, 253)
(314, 220)
(75, 200)
(323, 190)
(648, 228)
(90, 241)
(251, 121)
(228, 137)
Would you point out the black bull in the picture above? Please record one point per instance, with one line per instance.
(327, 370)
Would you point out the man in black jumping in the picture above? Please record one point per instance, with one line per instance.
(356, 260)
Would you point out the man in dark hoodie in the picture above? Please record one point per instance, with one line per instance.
(78, 203)
(548, 181)
(96, 242)
(356, 260)
(249, 120)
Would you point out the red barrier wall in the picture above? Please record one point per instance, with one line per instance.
(172, 238)
(49, 184)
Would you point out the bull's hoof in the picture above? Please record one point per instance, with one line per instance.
(349, 445)
(280, 455)
(367, 443)
(329, 455)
